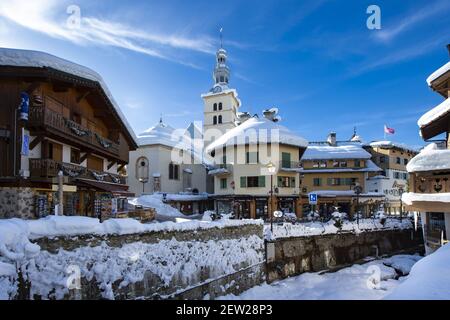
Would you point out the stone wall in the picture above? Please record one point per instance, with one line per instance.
(292, 256)
(215, 261)
(16, 202)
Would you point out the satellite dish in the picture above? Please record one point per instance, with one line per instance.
(278, 214)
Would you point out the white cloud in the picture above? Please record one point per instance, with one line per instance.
(419, 15)
(49, 17)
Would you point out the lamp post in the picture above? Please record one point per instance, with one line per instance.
(400, 192)
(143, 181)
(358, 191)
(272, 169)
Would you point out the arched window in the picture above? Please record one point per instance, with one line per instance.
(142, 169)
(220, 118)
(221, 79)
(215, 120)
(220, 105)
(215, 106)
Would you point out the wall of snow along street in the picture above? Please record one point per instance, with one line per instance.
(310, 252)
(124, 259)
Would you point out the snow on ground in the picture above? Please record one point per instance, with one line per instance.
(429, 278)
(370, 281)
(318, 228)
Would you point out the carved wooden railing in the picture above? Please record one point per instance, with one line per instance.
(430, 183)
(43, 117)
(48, 168)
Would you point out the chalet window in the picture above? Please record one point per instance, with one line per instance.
(343, 164)
(251, 157)
(398, 160)
(220, 119)
(323, 164)
(315, 164)
(95, 163)
(253, 182)
(215, 120)
(335, 164)
(74, 155)
(55, 151)
(317, 182)
(174, 171)
(334, 181)
(285, 159)
(223, 183)
(286, 182)
(357, 164)
(220, 105)
(405, 161)
(396, 175)
(405, 176)
(215, 106)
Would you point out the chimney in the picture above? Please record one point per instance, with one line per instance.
(332, 139)
(448, 48)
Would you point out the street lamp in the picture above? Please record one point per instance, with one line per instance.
(358, 191)
(143, 181)
(272, 169)
(400, 192)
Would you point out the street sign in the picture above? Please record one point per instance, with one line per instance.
(313, 198)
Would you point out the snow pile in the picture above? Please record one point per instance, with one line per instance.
(317, 228)
(430, 158)
(429, 278)
(370, 281)
(402, 263)
(439, 72)
(435, 113)
(257, 130)
(321, 152)
(175, 263)
(155, 201)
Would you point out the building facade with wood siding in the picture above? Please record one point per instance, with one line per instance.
(72, 125)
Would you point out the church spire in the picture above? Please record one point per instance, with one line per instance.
(221, 73)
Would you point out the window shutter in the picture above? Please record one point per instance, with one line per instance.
(292, 184)
(280, 182)
(262, 181)
(243, 182)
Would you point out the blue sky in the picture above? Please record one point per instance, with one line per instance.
(314, 60)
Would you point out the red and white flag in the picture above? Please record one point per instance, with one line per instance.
(388, 130)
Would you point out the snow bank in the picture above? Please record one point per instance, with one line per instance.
(370, 281)
(429, 278)
(317, 228)
(430, 158)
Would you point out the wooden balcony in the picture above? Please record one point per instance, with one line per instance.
(48, 168)
(430, 183)
(42, 118)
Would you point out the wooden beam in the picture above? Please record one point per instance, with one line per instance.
(83, 95)
(33, 86)
(84, 157)
(35, 142)
(111, 164)
(120, 167)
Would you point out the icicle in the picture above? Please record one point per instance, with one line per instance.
(416, 218)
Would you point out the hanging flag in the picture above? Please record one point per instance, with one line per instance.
(388, 130)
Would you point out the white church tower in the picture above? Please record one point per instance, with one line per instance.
(221, 102)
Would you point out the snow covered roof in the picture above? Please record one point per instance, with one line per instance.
(430, 159)
(385, 144)
(326, 152)
(371, 167)
(409, 197)
(258, 130)
(435, 113)
(38, 59)
(438, 73)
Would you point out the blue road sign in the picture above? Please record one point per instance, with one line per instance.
(313, 198)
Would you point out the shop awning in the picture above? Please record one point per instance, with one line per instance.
(116, 189)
